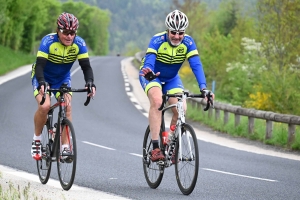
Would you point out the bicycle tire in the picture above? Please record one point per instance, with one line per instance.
(44, 165)
(186, 169)
(66, 167)
(152, 170)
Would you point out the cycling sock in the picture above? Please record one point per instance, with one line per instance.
(155, 144)
(37, 137)
(64, 146)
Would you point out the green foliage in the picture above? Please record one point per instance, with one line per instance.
(93, 25)
(52, 9)
(15, 15)
(31, 27)
(226, 17)
(23, 23)
(278, 21)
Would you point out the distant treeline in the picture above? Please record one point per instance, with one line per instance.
(23, 23)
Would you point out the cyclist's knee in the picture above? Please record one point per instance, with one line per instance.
(155, 97)
(44, 108)
(156, 101)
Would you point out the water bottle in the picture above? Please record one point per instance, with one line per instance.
(165, 137)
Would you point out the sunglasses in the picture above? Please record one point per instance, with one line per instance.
(67, 32)
(177, 32)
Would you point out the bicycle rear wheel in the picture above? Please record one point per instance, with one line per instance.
(152, 170)
(187, 167)
(66, 165)
(44, 165)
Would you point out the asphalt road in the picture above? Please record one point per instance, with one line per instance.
(109, 140)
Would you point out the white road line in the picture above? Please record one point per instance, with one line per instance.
(207, 169)
(252, 177)
(139, 107)
(75, 70)
(134, 154)
(97, 145)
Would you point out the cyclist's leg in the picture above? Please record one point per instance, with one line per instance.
(154, 93)
(153, 89)
(68, 99)
(40, 118)
(172, 87)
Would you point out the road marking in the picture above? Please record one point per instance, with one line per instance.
(97, 145)
(134, 154)
(128, 90)
(207, 169)
(252, 177)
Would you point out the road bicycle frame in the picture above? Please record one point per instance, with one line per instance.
(179, 125)
(61, 115)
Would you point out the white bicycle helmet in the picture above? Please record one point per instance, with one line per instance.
(176, 21)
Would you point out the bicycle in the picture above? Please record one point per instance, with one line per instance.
(183, 143)
(51, 141)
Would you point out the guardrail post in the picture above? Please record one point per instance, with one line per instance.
(291, 135)
(237, 119)
(250, 125)
(217, 114)
(269, 129)
(226, 117)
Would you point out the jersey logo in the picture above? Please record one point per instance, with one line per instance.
(72, 50)
(180, 50)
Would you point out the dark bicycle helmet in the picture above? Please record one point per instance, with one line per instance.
(67, 21)
(177, 21)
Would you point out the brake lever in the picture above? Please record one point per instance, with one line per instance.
(89, 90)
(44, 95)
(210, 102)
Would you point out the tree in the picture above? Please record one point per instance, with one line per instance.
(280, 37)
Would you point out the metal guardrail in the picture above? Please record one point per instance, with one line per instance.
(252, 114)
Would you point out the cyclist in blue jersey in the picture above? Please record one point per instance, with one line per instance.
(159, 71)
(55, 57)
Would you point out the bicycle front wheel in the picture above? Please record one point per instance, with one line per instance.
(44, 165)
(66, 163)
(187, 161)
(152, 170)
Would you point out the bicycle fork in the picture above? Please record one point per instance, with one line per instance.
(180, 129)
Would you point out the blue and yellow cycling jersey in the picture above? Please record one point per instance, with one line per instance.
(166, 59)
(60, 58)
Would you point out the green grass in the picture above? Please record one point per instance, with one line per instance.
(10, 60)
(17, 192)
